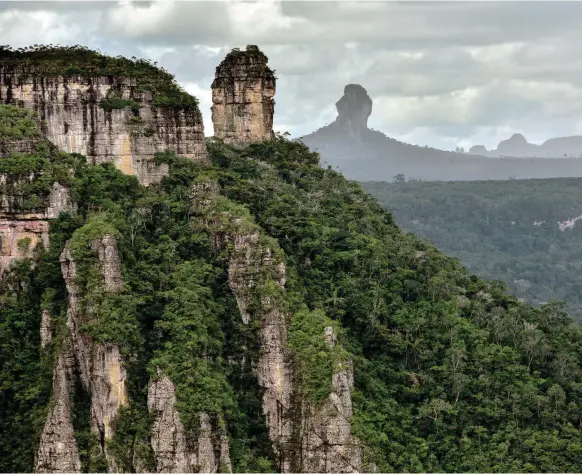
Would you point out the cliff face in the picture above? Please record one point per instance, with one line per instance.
(252, 266)
(173, 451)
(242, 97)
(327, 442)
(87, 109)
(305, 438)
(99, 366)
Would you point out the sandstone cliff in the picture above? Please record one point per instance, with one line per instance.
(305, 437)
(99, 366)
(251, 266)
(173, 450)
(108, 109)
(327, 443)
(242, 97)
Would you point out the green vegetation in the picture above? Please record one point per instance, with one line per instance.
(30, 174)
(452, 373)
(52, 60)
(17, 123)
(115, 102)
(500, 230)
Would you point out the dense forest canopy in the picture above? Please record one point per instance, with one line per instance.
(521, 232)
(451, 373)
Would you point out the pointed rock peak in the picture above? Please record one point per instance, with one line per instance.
(354, 108)
(242, 97)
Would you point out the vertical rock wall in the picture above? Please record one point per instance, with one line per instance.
(327, 444)
(74, 120)
(100, 367)
(242, 97)
(173, 451)
(251, 264)
(58, 451)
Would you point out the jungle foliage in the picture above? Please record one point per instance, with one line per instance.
(500, 230)
(452, 373)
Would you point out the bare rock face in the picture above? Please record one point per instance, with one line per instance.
(353, 109)
(251, 263)
(327, 444)
(172, 450)
(22, 231)
(100, 367)
(58, 450)
(242, 97)
(46, 328)
(19, 237)
(76, 121)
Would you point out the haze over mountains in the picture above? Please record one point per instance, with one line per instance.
(518, 146)
(363, 154)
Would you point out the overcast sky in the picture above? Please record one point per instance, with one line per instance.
(441, 74)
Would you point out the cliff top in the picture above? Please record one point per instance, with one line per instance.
(252, 59)
(79, 61)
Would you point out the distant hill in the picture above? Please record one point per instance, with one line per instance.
(347, 144)
(525, 233)
(518, 146)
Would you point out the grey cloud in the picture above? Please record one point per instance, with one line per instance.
(328, 45)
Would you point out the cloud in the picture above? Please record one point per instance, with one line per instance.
(440, 73)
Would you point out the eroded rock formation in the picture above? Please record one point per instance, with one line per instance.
(22, 227)
(252, 263)
(99, 366)
(242, 97)
(172, 450)
(353, 109)
(107, 119)
(58, 451)
(327, 443)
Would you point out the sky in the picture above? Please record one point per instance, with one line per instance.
(443, 74)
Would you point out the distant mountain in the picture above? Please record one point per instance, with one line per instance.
(364, 154)
(518, 146)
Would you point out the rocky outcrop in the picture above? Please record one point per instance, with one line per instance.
(242, 97)
(353, 109)
(252, 265)
(172, 450)
(518, 146)
(58, 451)
(305, 438)
(250, 262)
(327, 444)
(19, 237)
(100, 367)
(107, 119)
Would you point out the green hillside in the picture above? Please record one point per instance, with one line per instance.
(451, 373)
(500, 230)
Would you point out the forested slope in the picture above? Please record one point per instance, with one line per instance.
(451, 373)
(524, 233)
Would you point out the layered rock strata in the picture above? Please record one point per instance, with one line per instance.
(243, 97)
(173, 451)
(76, 120)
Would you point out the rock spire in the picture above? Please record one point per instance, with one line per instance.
(242, 97)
